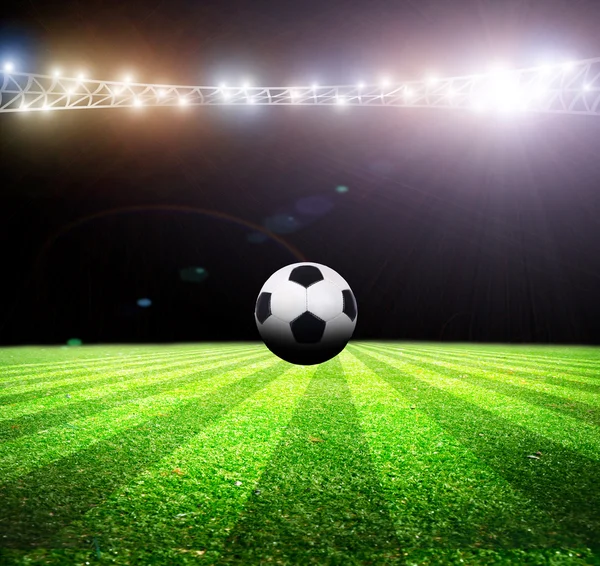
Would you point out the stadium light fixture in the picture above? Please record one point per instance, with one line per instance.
(137, 101)
(251, 100)
(360, 85)
(340, 99)
(226, 95)
(182, 101)
(56, 72)
(128, 78)
(161, 93)
(314, 86)
(9, 67)
(385, 81)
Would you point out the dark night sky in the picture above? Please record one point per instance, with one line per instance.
(455, 226)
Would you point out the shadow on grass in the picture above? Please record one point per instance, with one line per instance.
(39, 505)
(11, 429)
(319, 501)
(576, 409)
(563, 483)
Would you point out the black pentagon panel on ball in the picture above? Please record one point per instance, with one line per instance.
(306, 275)
(349, 304)
(307, 328)
(263, 307)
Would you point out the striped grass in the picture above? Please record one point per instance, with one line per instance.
(390, 453)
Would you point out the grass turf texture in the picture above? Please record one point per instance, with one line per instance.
(223, 454)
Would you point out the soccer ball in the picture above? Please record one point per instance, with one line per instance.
(306, 313)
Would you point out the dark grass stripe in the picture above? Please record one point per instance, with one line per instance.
(510, 369)
(576, 409)
(11, 429)
(49, 378)
(564, 483)
(538, 371)
(550, 358)
(82, 384)
(71, 486)
(319, 501)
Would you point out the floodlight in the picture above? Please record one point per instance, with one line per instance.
(432, 80)
(251, 101)
(293, 94)
(222, 86)
(407, 92)
(568, 66)
(137, 101)
(70, 90)
(314, 86)
(226, 95)
(9, 67)
(56, 72)
(545, 69)
(162, 92)
(587, 87)
(182, 101)
(451, 92)
(385, 81)
(128, 79)
(246, 85)
(360, 85)
(341, 100)
(81, 76)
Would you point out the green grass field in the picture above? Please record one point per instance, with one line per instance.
(391, 453)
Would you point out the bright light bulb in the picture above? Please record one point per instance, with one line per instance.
(182, 101)
(137, 101)
(226, 96)
(568, 66)
(222, 86)
(341, 100)
(407, 92)
(385, 81)
(293, 94)
(70, 90)
(246, 85)
(360, 85)
(587, 87)
(161, 93)
(314, 86)
(56, 72)
(251, 101)
(9, 67)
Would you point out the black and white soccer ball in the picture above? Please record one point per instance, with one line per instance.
(306, 313)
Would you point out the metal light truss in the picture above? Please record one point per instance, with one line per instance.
(559, 89)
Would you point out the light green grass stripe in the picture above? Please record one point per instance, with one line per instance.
(547, 367)
(53, 356)
(439, 493)
(585, 356)
(85, 374)
(568, 431)
(36, 378)
(502, 375)
(26, 453)
(145, 378)
(174, 514)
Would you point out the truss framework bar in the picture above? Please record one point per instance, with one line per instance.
(560, 91)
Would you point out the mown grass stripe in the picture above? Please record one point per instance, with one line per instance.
(440, 494)
(192, 509)
(584, 356)
(320, 499)
(74, 355)
(85, 379)
(587, 377)
(134, 385)
(26, 453)
(561, 428)
(563, 481)
(50, 376)
(582, 406)
(80, 479)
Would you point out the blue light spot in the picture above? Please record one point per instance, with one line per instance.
(144, 303)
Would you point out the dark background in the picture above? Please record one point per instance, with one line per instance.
(454, 226)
